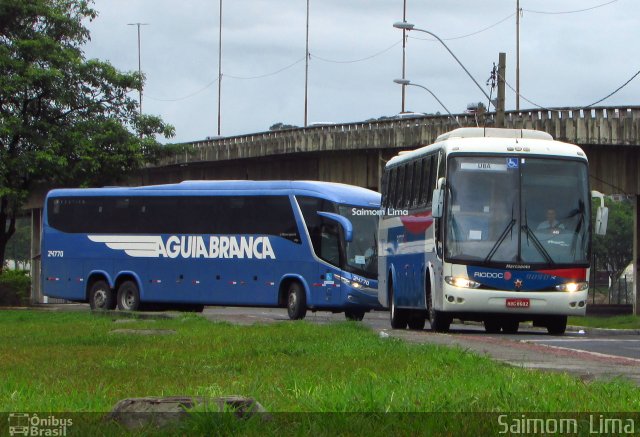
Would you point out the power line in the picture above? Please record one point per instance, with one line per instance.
(184, 97)
(469, 34)
(358, 60)
(618, 89)
(267, 74)
(583, 107)
(569, 12)
(227, 75)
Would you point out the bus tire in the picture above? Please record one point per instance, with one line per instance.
(354, 315)
(492, 326)
(417, 321)
(101, 296)
(397, 317)
(296, 301)
(439, 321)
(510, 326)
(556, 325)
(128, 296)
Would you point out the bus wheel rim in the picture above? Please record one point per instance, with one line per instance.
(99, 298)
(128, 299)
(292, 300)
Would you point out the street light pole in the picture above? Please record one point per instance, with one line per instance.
(408, 26)
(404, 45)
(306, 70)
(219, 65)
(517, 55)
(139, 65)
(406, 82)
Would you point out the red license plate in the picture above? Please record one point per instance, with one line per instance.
(518, 303)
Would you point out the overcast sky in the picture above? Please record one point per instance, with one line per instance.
(570, 59)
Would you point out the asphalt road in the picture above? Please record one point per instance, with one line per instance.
(588, 353)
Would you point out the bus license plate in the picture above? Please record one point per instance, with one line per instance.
(518, 303)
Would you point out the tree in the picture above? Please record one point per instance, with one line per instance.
(282, 126)
(64, 120)
(614, 251)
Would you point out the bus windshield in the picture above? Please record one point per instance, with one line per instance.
(358, 256)
(361, 252)
(503, 210)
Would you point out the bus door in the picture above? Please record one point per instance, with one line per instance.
(330, 252)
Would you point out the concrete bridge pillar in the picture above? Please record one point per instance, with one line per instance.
(636, 248)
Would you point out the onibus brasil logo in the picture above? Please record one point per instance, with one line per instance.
(34, 425)
(188, 246)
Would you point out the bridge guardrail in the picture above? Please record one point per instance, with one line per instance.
(603, 125)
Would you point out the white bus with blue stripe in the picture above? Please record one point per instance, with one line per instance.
(302, 245)
(463, 233)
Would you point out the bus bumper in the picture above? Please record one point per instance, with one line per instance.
(463, 300)
(362, 299)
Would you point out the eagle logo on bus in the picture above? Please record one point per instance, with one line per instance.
(189, 246)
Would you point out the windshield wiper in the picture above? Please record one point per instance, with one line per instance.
(495, 247)
(538, 244)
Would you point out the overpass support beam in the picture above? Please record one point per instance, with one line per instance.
(636, 249)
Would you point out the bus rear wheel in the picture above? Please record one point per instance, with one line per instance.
(556, 325)
(101, 296)
(354, 315)
(397, 317)
(296, 302)
(128, 296)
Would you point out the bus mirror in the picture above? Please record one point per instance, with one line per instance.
(347, 227)
(437, 203)
(602, 214)
(602, 218)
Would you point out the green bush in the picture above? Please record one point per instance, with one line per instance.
(15, 287)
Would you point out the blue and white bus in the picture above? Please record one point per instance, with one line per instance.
(295, 244)
(489, 225)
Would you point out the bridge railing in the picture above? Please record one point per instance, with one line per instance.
(604, 125)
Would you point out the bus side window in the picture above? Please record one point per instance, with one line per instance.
(393, 176)
(385, 188)
(408, 186)
(399, 187)
(418, 177)
(330, 243)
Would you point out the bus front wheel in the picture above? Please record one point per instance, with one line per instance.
(296, 302)
(417, 320)
(557, 325)
(128, 296)
(101, 296)
(439, 321)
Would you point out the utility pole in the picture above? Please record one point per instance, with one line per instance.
(219, 65)
(517, 55)
(306, 69)
(404, 45)
(502, 61)
(139, 65)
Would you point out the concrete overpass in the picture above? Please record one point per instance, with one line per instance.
(355, 153)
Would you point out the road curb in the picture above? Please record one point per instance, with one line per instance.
(603, 331)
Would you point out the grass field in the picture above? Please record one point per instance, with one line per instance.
(614, 322)
(71, 362)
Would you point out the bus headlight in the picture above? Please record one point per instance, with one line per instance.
(572, 287)
(461, 282)
(350, 283)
